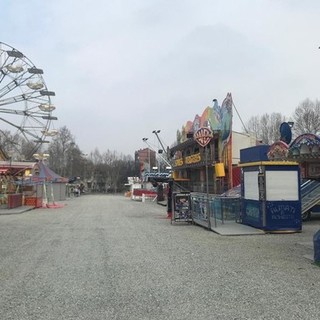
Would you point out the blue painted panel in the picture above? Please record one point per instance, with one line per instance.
(282, 168)
(254, 154)
(283, 215)
(252, 213)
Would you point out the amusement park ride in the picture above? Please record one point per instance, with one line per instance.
(26, 117)
(25, 102)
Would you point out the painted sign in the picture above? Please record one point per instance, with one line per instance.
(217, 118)
(278, 151)
(182, 206)
(203, 136)
(179, 162)
(195, 158)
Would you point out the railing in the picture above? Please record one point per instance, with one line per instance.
(310, 194)
(177, 187)
(220, 208)
(227, 208)
(308, 187)
(199, 206)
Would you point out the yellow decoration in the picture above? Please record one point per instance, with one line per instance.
(193, 158)
(219, 169)
(179, 162)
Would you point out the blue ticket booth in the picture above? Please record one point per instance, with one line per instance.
(271, 199)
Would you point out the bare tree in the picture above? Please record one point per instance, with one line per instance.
(61, 152)
(117, 170)
(8, 143)
(107, 169)
(15, 146)
(110, 170)
(96, 157)
(254, 126)
(307, 117)
(266, 127)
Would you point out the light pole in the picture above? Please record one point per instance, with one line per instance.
(156, 133)
(41, 157)
(203, 137)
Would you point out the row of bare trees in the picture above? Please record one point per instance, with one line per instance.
(108, 170)
(306, 119)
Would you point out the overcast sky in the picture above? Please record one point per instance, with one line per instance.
(121, 69)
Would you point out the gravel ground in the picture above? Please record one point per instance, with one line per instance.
(108, 257)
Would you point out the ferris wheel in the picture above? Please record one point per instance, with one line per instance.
(25, 101)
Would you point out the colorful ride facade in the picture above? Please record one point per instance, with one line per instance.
(305, 149)
(191, 161)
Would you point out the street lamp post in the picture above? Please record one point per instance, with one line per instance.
(207, 189)
(163, 148)
(203, 137)
(41, 157)
(159, 154)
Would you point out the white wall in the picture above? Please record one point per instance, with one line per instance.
(241, 141)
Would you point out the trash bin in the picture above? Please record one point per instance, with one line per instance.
(316, 245)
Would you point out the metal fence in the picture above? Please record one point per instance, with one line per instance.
(218, 208)
(227, 208)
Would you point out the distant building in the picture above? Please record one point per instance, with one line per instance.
(145, 160)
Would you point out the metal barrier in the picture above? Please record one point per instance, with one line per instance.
(201, 208)
(217, 211)
(227, 208)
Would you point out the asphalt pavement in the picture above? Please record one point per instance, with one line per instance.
(109, 257)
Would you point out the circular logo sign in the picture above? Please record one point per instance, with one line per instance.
(203, 136)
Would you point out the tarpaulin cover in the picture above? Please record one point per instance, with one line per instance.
(41, 173)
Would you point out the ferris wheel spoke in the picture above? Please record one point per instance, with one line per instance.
(31, 96)
(11, 100)
(8, 88)
(34, 115)
(21, 129)
(22, 81)
(11, 111)
(15, 83)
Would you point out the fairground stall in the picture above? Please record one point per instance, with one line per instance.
(44, 187)
(12, 186)
(208, 170)
(305, 150)
(270, 193)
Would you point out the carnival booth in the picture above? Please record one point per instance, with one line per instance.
(45, 186)
(12, 189)
(305, 151)
(270, 191)
(205, 163)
